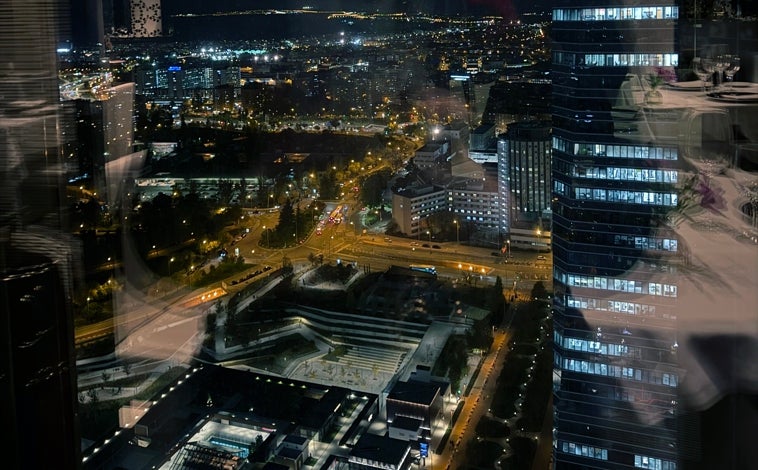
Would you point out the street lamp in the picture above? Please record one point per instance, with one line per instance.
(171, 260)
(430, 240)
(270, 196)
(268, 243)
(457, 232)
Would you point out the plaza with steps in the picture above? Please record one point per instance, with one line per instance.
(372, 358)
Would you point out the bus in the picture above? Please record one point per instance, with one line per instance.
(336, 216)
(424, 268)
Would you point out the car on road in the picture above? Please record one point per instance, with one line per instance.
(541, 258)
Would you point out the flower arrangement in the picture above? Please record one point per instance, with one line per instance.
(658, 77)
(661, 75)
(655, 80)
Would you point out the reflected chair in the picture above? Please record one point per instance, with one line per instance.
(707, 135)
(628, 118)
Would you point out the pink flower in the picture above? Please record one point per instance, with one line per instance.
(666, 73)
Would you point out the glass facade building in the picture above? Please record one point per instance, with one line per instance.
(616, 372)
(654, 237)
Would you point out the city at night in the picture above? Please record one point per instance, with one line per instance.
(409, 235)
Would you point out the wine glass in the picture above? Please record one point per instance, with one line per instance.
(733, 68)
(701, 67)
(709, 65)
(721, 63)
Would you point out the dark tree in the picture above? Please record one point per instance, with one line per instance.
(286, 226)
(539, 291)
(327, 185)
(452, 361)
(497, 303)
(372, 187)
(480, 335)
(192, 184)
(225, 191)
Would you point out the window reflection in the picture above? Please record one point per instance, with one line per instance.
(654, 189)
(650, 189)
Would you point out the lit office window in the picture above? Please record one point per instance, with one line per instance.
(641, 461)
(616, 14)
(586, 451)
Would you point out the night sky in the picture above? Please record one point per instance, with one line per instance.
(251, 27)
(438, 7)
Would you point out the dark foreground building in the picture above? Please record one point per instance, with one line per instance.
(38, 404)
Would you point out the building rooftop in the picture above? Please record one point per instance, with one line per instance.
(287, 453)
(413, 391)
(380, 449)
(279, 406)
(319, 411)
(275, 466)
(430, 147)
(411, 191)
(294, 439)
(407, 423)
(483, 128)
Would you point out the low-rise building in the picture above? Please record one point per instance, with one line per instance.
(531, 235)
(412, 204)
(476, 201)
(430, 155)
(405, 428)
(457, 132)
(293, 452)
(422, 400)
(373, 451)
(483, 137)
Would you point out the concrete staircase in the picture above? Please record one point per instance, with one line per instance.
(372, 358)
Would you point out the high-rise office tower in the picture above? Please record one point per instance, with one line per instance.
(38, 400)
(116, 16)
(462, 86)
(525, 165)
(615, 289)
(87, 21)
(104, 133)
